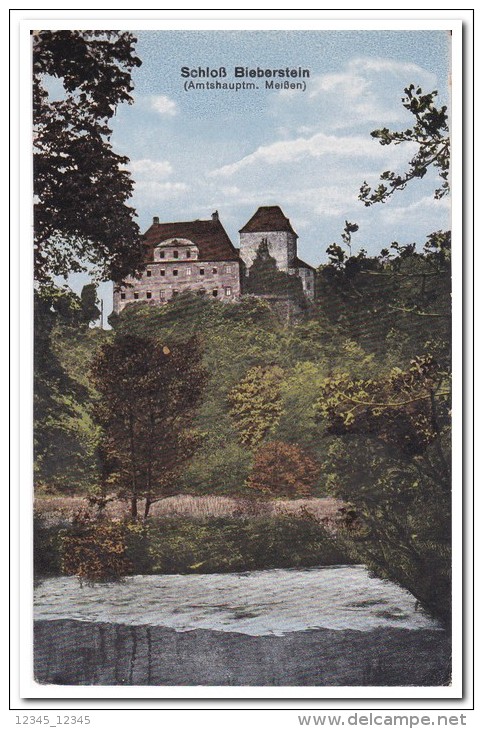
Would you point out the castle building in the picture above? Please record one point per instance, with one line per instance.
(193, 256)
(199, 256)
(271, 225)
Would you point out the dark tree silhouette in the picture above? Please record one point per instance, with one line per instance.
(81, 187)
(149, 394)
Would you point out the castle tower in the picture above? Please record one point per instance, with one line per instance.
(271, 224)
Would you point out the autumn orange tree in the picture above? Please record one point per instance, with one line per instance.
(283, 469)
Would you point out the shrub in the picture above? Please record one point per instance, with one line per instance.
(283, 469)
(95, 551)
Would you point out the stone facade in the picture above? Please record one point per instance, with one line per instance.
(198, 256)
(195, 256)
(306, 274)
(270, 224)
(282, 245)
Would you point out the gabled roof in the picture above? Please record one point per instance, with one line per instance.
(209, 235)
(267, 219)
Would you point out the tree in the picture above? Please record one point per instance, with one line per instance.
(149, 393)
(283, 469)
(88, 301)
(256, 403)
(429, 133)
(81, 187)
(400, 482)
(389, 432)
(64, 439)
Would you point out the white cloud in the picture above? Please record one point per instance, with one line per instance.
(426, 206)
(150, 191)
(366, 90)
(410, 71)
(319, 145)
(151, 169)
(151, 183)
(164, 105)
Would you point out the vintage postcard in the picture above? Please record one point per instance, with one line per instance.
(242, 302)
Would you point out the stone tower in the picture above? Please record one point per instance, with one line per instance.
(271, 224)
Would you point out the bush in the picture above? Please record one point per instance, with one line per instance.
(95, 551)
(283, 469)
(107, 550)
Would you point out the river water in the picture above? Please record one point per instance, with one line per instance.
(269, 602)
(328, 626)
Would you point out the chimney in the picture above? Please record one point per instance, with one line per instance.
(155, 220)
(214, 216)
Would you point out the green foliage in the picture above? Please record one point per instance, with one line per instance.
(89, 301)
(256, 403)
(399, 484)
(221, 466)
(407, 409)
(105, 550)
(429, 133)
(283, 469)
(81, 219)
(402, 512)
(65, 438)
(299, 422)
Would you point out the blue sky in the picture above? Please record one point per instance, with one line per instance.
(193, 152)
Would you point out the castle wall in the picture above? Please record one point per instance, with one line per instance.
(159, 282)
(307, 276)
(282, 246)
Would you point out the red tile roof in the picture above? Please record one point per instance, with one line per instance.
(209, 235)
(267, 219)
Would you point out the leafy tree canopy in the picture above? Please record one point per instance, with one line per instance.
(148, 395)
(81, 187)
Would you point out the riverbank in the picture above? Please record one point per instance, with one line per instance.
(70, 652)
(107, 549)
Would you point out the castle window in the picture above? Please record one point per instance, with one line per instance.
(188, 254)
(308, 285)
(161, 254)
(228, 291)
(188, 271)
(175, 272)
(148, 294)
(215, 270)
(162, 272)
(148, 272)
(136, 295)
(202, 271)
(161, 296)
(175, 293)
(175, 254)
(123, 296)
(215, 292)
(227, 269)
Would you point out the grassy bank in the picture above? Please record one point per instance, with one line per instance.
(110, 549)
